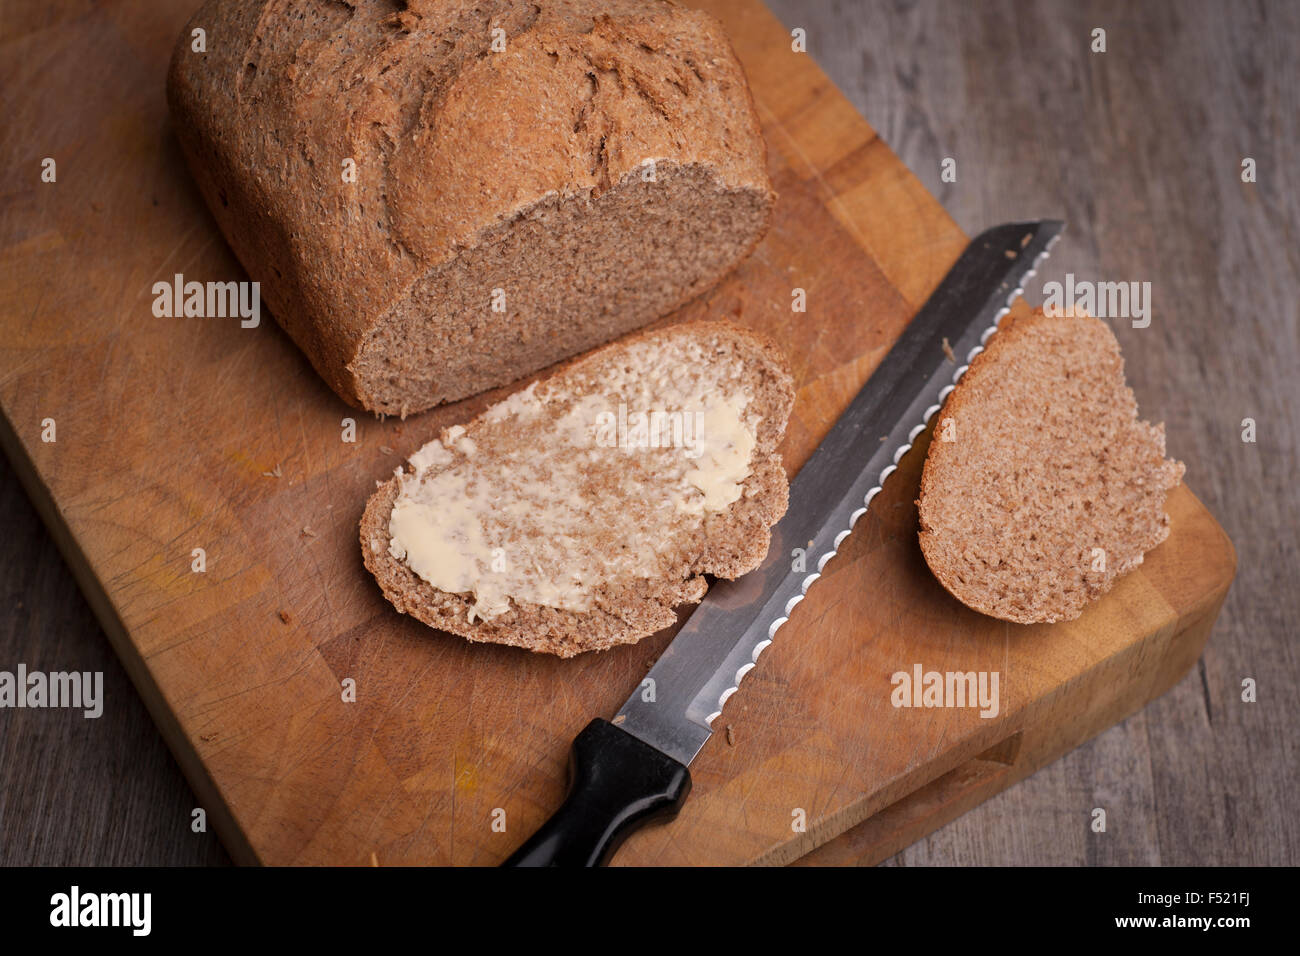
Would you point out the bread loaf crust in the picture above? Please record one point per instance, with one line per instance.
(451, 142)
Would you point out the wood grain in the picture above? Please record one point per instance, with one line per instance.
(350, 650)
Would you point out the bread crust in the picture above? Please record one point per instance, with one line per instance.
(737, 538)
(449, 140)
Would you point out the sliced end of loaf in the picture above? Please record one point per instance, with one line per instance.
(727, 543)
(1048, 488)
(562, 277)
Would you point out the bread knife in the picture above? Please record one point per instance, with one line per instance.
(627, 772)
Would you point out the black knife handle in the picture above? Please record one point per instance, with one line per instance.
(617, 784)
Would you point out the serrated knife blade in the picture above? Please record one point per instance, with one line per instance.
(722, 640)
(619, 783)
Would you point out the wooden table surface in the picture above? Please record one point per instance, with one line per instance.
(1140, 148)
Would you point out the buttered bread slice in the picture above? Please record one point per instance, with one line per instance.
(579, 512)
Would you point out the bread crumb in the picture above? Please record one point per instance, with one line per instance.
(731, 736)
(374, 858)
(307, 532)
(286, 617)
(384, 449)
(1010, 253)
(1025, 239)
(273, 473)
(1011, 526)
(947, 350)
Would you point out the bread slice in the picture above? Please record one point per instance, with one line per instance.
(441, 196)
(1048, 488)
(562, 521)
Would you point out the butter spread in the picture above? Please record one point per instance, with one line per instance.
(563, 488)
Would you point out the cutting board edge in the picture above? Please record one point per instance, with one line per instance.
(204, 785)
(944, 797)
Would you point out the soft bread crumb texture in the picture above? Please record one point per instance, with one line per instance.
(660, 520)
(571, 484)
(442, 196)
(1052, 488)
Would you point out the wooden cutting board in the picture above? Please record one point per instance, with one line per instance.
(177, 434)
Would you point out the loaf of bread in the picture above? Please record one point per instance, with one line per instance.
(579, 512)
(1042, 487)
(441, 196)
